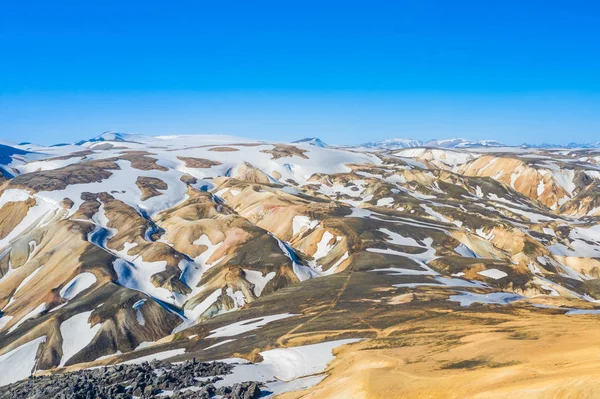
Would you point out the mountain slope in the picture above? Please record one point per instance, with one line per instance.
(207, 247)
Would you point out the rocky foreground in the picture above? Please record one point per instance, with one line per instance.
(188, 380)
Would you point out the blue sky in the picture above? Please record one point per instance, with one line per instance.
(348, 72)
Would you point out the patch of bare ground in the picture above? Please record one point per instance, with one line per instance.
(59, 179)
(150, 186)
(142, 161)
(223, 149)
(283, 150)
(200, 163)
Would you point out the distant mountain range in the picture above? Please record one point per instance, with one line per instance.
(397, 143)
(394, 143)
(385, 144)
(593, 144)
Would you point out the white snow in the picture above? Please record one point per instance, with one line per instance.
(586, 243)
(48, 164)
(36, 215)
(323, 246)
(138, 312)
(493, 273)
(302, 272)
(465, 251)
(302, 223)
(77, 285)
(387, 201)
(541, 188)
(259, 281)
(34, 313)
(4, 320)
(244, 326)
(549, 231)
(552, 291)
(436, 215)
(445, 282)
(237, 296)
(203, 306)
(396, 179)
(220, 343)
(138, 277)
(393, 143)
(193, 271)
(398, 239)
(76, 333)
(494, 298)
(478, 192)
(13, 195)
(583, 311)
(282, 368)
(533, 268)
(334, 267)
(564, 177)
(532, 216)
(19, 362)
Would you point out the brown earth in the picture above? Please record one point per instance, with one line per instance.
(487, 355)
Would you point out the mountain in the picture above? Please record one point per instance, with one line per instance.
(312, 141)
(572, 145)
(397, 143)
(292, 262)
(392, 144)
(462, 143)
(113, 136)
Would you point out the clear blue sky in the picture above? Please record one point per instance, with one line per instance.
(347, 72)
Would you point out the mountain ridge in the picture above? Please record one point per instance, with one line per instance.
(388, 143)
(128, 248)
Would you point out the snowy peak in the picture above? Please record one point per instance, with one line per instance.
(112, 136)
(317, 142)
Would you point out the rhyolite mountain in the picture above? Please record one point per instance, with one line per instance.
(467, 261)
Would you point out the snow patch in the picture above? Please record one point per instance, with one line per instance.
(493, 273)
(77, 285)
(244, 326)
(286, 369)
(76, 333)
(19, 362)
(494, 298)
(259, 281)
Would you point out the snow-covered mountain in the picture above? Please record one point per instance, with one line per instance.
(397, 143)
(126, 248)
(113, 136)
(462, 143)
(312, 141)
(392, 144)
(572, 145)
